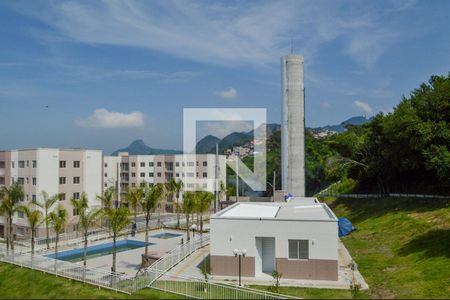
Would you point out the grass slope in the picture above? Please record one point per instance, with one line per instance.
(402, 247)
(16, 282)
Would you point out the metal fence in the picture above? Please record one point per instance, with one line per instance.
(95, 276)
(393, 195)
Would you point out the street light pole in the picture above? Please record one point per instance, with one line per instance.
(239, 254)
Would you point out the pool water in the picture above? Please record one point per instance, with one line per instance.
(166, 235)
(76, 255)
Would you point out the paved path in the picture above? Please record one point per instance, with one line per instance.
(190, 265)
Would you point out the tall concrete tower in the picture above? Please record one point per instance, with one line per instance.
(293, 125)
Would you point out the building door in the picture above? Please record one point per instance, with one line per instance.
(268, 254)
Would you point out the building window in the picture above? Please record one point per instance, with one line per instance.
(21, 164)
(34, 164)
(106, 185)
(158, 164)
(75, 212)
(190, 164)
(142, 164)
(33, 198)
(150, 174)
(62, 180)
(62, 196)
(34, 180)
(106, 174)
(190, 185)
(133, 174)
(197, 163)
(196, 174)
(142, 174)
(2, 164)
(133, 184)
(76, 195)
(177, 174)
(75, 227)
(28, 180)
(150, 164)
(21, 180)
(12, 164)
(177, 164)
(20, 214)
(106, 165)
(205, 174)
(76, 180)
(62, 163)
(76, 163)
(20, 231)
(298, 249)
(205, 163)
(190, 174)
(159, 174)
(28, 163)
(133, 164)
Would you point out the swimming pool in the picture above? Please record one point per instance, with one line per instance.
(166, 235)
(76, 255)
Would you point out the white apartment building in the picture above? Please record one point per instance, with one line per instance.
(69, 172)
(195, 171)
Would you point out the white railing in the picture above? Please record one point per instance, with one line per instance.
(95, 276)
(206, 289)
(393, 195)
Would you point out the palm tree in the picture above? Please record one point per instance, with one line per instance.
(47, 204)
(170, 187)
(8, 207)
(86, 220)
(188, 208)
(34, 218)
(107, 198)
(178, 189)
(58, 219)
(203, 203)
(118, 219)
(134, 196)
(148, 203)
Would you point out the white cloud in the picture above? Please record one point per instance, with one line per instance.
(231, 93)
(102, 118)
(364, 106)
(224, 33)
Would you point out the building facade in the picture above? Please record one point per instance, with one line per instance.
(293, 125)
(298, 239)
(197, 172)
(69, 172)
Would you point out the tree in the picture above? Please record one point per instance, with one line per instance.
(8, 207)
(86, 220)
(58, 219)
(34, 218)
(119, 219)
(47, 204)
(148, 203)
(178, 190)
(203, 202)
(107, 199)
(133, 198)
(188, 208)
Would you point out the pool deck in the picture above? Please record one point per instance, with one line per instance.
(128, 262)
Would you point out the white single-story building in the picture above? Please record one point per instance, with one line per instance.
(298, 238)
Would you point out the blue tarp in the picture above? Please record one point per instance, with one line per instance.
(345, 226)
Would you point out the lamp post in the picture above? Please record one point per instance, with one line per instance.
(193, 227)
(239, 254)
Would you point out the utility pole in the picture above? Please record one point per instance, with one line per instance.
(237, 179)
(216, 202)
(273, 186)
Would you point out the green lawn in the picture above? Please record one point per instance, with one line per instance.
(16, 282)
(402, 247)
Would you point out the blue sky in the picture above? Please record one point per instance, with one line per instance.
(113, 71)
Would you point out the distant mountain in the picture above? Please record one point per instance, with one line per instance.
(207, 144)
(138, 147)
(359, 120)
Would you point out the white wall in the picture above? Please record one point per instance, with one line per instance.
(229, 234)
(93, 176)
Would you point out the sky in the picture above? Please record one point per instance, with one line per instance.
(99, 74)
